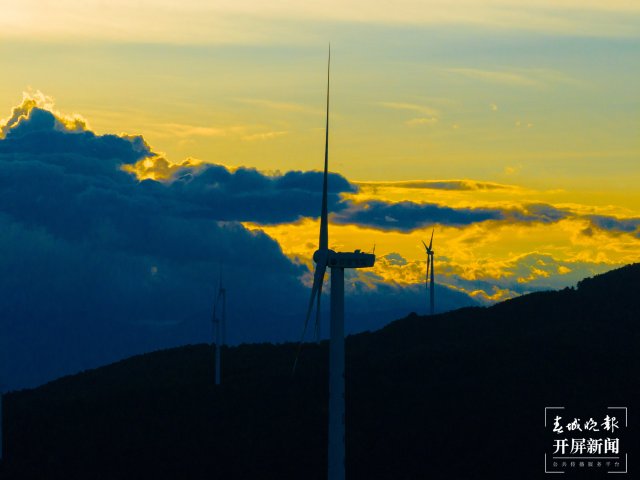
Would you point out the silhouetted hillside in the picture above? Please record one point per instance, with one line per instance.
(455, 396)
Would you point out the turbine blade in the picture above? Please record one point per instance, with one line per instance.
(431, 242)
(324, 227)
(425, 246)
(318, 278)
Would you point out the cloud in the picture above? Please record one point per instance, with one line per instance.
(159, 168)
(522, 274)
(615, 225)
(98, 264)
(466, 185)
(245, 21)
(395, 259)
(100, 261)
(280, 106)
(37, 99)
(522, 77)
(412, 107)
(264, 135)
(182, 130)
(502, 77)
(422, 121)
(429, 115)
(409, 216)
(537, 212)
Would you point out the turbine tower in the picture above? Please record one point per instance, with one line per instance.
(430, 286)
(219, 327)
(337, 262)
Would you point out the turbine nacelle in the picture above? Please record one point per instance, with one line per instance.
(351, 260)
(333, 259)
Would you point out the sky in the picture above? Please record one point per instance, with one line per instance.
(145, 146)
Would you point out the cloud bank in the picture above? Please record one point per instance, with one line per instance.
(101, 261)
(98, 264)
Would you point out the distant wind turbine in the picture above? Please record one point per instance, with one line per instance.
(430, 287)
(337, 262)
(219, 327)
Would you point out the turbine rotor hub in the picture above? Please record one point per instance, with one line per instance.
(321, 257)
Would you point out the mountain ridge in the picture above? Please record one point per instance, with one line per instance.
(575, 346)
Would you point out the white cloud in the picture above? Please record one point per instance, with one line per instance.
(281, 106)
(422, 121)
(264, 135)
(431, 112)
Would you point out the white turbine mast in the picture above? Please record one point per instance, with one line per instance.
(429, 282)
(337, 262)
(219, 323)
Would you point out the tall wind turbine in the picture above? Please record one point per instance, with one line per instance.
(219, 327)
(430, 286)
(337, 262)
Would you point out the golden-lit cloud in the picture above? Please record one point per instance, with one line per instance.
(521, 77)
(237, 132)
(492, 239)
(159, 168)
(422, 121)
(489, 260)
(32, 99)
(281, 106)
(264, 136)
(496, 76)
(181, 130)
(425, 110)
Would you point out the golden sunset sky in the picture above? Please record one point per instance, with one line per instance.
(529, 107)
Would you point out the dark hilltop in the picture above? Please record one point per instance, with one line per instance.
(459, 395)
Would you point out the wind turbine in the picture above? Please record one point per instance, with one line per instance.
(219, 327)
(430, 253)
(337, 262)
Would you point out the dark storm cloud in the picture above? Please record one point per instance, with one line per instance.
(616, 225)
(248, 195)
(210, 191)
(97, 265)
(538, 213)
(41, 133)
(408, 216)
